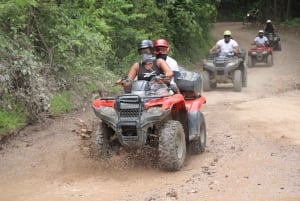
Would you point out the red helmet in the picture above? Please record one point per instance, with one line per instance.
(161, 43)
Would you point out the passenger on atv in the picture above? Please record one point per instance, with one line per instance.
(261, 40)
(161, 50)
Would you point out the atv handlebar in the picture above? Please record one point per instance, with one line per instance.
(125, 81)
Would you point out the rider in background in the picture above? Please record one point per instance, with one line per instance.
(269, 27)
(226, 45)
(260, 39)
(253, 13)
(148, 67)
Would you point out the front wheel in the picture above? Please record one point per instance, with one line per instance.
(279, 46)
(206, 81)
(250, 61)
(237, 80)
(245, 77)
(270, 60)
(172, 146)
(104, 143)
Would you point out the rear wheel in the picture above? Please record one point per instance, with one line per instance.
(270, 60)
(237, 80)
(106, 147)
(172, 146)
(206, 81)
(198, 146)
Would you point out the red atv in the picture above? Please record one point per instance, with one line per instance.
(150, 116)
(260, 54)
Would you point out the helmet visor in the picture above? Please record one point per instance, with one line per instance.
(160, 50)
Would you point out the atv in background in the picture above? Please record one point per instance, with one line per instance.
(225, 68)
(149, 115)
(260, 54)
(274, 41)
(251, 17)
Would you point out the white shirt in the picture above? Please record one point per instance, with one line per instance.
(260, 41)
(227, 47)
(172, 63)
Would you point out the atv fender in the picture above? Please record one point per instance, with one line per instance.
(195, 118)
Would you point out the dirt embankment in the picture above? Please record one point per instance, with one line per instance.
(253, 147)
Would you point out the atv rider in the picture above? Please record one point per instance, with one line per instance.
(226, 45)
(252, 14)
(148, 67)
(269, 27)
(260, 39)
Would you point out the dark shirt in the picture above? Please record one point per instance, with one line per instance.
(144, 74)
(269, 28)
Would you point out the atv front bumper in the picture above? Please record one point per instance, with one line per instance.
(129, 119)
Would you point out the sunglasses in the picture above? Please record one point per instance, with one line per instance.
(160, 50)
(147, 63)
(145, 51)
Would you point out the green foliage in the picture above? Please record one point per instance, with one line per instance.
(95, 79)
(294, 22)
(60, 103)
(12, 115)
(194, 18)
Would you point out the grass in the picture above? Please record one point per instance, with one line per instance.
(11, 121)
(61, 103)
(295, 22)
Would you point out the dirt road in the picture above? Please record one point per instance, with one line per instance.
(253, 147)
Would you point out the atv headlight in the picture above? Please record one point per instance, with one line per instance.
(265, 52)
(155, 110)
(208, 64)
(232, 64)
(108, 111)
(253, 53)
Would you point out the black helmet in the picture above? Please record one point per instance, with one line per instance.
(145, 44)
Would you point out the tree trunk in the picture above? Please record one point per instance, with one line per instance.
(288, 9)
(275, 13)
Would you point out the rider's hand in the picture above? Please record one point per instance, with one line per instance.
(169, 74)
(123, 83)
